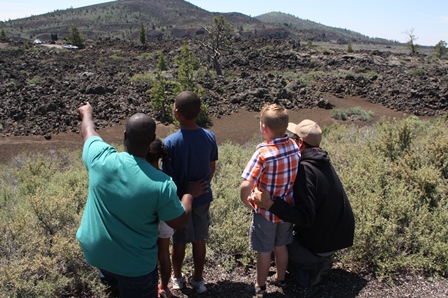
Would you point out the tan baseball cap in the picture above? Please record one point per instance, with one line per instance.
(307, 130)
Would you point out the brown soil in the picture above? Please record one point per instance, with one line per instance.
(238, 128)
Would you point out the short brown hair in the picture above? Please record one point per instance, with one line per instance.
(188, 104)
(275, 117)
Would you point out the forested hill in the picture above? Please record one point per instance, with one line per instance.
(168, 19)
(309, 30)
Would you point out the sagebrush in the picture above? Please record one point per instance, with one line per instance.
(395, 174)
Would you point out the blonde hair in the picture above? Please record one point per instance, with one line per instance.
(275, 117)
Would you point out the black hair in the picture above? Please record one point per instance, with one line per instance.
(140, 130)
(157, 150)
(188, 104)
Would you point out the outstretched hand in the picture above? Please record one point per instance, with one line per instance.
(87, 125)
(85, 110)
(197, 188)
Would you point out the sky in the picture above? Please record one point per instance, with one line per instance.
(390, 19)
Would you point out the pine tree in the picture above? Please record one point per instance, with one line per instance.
(2, 34)
(161, 62)
(440, 49)
(75, 37)
(187, 63)
(159, 99)
(142, 33)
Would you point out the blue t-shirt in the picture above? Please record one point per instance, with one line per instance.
(190, 153)
(127, 199)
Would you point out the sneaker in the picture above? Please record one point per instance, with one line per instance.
(166, 293)
(198, 286)
(278, 283)
(260, 291)
(178, 283)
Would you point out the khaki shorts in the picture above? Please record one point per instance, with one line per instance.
(265, 235)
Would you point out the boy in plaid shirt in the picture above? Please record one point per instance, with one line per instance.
(273, 168)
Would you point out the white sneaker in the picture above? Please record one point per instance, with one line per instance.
(198, 286)
(177, 283)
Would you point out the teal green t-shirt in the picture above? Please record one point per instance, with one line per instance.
(127, 199)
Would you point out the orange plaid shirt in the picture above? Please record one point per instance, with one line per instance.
(274, 166)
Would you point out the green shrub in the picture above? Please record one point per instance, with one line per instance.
(161, 62)
(419, 72)
(116, 57)
(355, 113)
(203, 119)
(146, 78)
(349, 48)
(34, 80)
(146, 56)
(310, 77)
(41, 211)
(188, 64)
(266, 48)
(160, 103)
(100, 61)
(228, 243)
(395, 174)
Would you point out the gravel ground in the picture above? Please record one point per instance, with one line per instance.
(338, 283)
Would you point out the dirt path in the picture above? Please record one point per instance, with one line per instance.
(238, 128)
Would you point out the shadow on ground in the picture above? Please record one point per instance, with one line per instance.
(338, 283)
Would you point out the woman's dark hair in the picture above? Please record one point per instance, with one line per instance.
(157, 150)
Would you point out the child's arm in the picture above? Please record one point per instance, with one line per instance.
(245, 190)
(213, 168)
(194, 190)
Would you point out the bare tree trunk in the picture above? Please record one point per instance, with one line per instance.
(217, 66)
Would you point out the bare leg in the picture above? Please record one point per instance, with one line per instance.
(164, 261)
(263, 264)
(199, 252)
(281, 261)
(178, 255)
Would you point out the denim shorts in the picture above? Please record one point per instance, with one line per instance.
(132, 287)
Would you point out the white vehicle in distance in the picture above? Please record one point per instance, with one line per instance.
(70, 47)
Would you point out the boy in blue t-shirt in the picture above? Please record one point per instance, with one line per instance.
(192, 153)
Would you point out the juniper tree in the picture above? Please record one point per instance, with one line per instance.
(161, 62)
(219, 34)
(2, 34)
(142, 33)
(159, 99)
(440, 49)
(412, 46)
(75, 37)
(188, 63)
